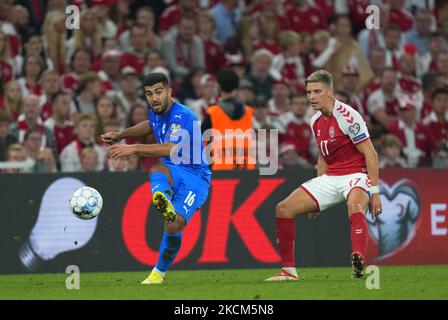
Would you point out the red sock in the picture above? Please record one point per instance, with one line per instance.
(286, 234)
(359, 232)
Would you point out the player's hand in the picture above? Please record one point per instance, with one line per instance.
(313, 215)
(111, 137)
(121, 150)
(375, 205)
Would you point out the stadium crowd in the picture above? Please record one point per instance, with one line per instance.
(60, 89)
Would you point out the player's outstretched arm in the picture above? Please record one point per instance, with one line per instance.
(143, 150)
(139, 130)
(367, 149)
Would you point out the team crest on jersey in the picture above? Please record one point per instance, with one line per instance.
(354, 128)
(331, 132)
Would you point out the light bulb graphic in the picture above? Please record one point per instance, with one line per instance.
(57, 230)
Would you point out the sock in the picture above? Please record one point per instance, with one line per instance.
(358, 232)
(168, 250)
(286, 234)
(159, 182)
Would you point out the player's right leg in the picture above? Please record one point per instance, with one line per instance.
(298, 202)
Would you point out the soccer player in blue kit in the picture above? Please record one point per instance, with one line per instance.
(180, 184)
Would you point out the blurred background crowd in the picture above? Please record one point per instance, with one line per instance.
(60, 89)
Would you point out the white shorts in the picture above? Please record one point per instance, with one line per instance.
(328, 191)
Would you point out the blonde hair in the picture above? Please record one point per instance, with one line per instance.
(321, 76)
(389, 140)
(288, 38)
(12, 106)
(5, 54)
(321, 35)
(85, 117)
(80, 36)
(55, 42)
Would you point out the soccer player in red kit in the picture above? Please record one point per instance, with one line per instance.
(347, 170)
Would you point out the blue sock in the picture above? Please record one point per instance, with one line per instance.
(159, 182)
(168, 250)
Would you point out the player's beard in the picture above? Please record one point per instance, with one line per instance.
(164, 106)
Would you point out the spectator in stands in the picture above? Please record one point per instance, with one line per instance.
(399, 15)
(50, 86)
(349, 85)
(393, 45)
(227, 14)
(214, 53)
(390, 153)
(428, 61)
(32, 44)
(85, 128)
(442, 63)
(55, 38)
(172, 15)
(15, 153)
(408, 82)
(87, 36)
(29, 119)
(80, 63)
(21, 21)
(323, 47)
(106, 27)
(134, 163)
(382, 104)
(377, 61)
(440, 157)
(430, 82)
(135, 55)
(105, 110)
(145, 16)
(259, 75)
(7, 71)
(437, 120)
(417, 140)
(419, 34)
(90, 89)
(297, 129)
(261, 118)
(59, 123)
(288, 64)
(269, 32)
(88, 160)
(289, 157)
(33, 66)
(190, 87)
(246, 93)
(13, 99)
(119, 15)
(208, 95)
(154, 59)
(348, 50)
(110, 70)
(118, 164)
(6, 138)
(43, 157)
(279, 103)
(183, 49)
(128, 93)
(305, 17)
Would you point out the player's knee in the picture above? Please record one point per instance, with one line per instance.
(355, 206)
(282, 210)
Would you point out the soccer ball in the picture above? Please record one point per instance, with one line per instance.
(86, 203)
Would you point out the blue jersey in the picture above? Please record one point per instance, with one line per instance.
(180, 126)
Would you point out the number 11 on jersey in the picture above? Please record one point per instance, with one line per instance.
(324, 148)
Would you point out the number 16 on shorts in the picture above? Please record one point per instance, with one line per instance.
(189, 200)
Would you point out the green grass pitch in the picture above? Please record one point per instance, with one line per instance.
(397, 282)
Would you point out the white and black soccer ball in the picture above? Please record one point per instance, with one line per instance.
(86, 203)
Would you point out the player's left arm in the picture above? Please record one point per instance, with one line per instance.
(367, 149)
(143, 150)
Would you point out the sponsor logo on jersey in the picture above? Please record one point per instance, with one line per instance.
(360, 137)
(354, 128)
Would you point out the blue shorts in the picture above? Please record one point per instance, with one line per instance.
(190, 191)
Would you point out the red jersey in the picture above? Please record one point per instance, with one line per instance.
(70, 81)
(6, 71)
(64, 135)
(402, 18)
(309, 20)
(137, 62)
(214, 55)
(409, 84)
(337, 137)
(171, 17)
(298, 132)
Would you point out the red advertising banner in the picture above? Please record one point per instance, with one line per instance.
(413, 228)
